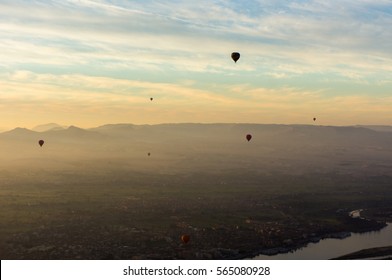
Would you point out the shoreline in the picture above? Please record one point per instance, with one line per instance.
(355, 215)
(375, 253)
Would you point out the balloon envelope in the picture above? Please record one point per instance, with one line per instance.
(314, 119)
(185, 238)
(41, 142)
(235, 56)
(151, 98)
(248, 137)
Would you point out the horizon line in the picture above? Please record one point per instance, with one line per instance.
(192, 123)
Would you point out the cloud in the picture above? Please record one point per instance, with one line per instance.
(97, 55)
(189, 36)
(97, 100)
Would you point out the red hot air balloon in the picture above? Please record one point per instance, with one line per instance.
(248, 137)
(185, 238)
(235, 56)
(41, 142)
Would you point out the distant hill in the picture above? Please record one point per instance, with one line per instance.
(191, 146)
(71, 131)
(287, 134)
(383, 128)
(19, 132)
(48, 126)
(276, 136)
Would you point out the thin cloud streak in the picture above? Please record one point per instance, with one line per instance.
(124, 100)
(318, 37)
(296, 57)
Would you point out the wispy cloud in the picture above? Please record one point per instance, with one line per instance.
(87, 101)
(177, 33)
(104, 54)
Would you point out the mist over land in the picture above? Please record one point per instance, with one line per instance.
(178, 148)
(129, 191)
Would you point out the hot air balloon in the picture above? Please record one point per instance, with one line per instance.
(185, 238)
(151, 98)
(149, 154)
(314, 119)
(41, 142)
(235, 56)
(248, 137)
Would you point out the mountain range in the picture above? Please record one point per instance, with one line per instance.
(208, 147)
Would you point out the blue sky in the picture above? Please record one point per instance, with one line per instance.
(94, 62)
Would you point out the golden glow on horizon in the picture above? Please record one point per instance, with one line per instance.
(89, 63)
(82, 101)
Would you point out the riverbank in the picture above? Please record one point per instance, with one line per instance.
(379, 253)
(356, 225)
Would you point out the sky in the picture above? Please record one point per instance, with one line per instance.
(89, 63)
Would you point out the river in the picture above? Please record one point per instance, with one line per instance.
(331, 248)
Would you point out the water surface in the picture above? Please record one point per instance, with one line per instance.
(332, 248)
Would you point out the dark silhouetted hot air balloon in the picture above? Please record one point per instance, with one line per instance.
(41, 142)
(151, 98)
(235, 56)
(149, 154)
(248, 137)
(185, 238)
(314, 119)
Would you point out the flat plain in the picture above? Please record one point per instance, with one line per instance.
(129, 192)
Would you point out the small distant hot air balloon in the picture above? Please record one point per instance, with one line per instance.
(41, 142)
(314, 119)
(248, 137)
(235, 56)
(185, 238)
(151, 98)
(149, 154)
